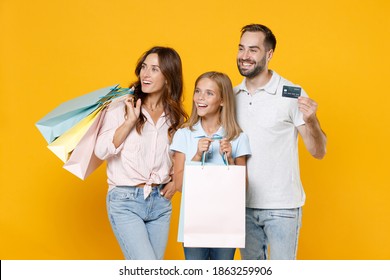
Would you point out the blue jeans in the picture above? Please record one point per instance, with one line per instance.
(209, 253)
(276, 228)
(140, 226)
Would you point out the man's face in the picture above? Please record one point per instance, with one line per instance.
(252, 55)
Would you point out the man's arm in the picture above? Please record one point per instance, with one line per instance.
(311, 132)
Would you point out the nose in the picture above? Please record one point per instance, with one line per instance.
(201, 95)
(244, 54)
(145, 72)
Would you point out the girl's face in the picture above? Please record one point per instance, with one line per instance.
(152, 79)
(207, 98)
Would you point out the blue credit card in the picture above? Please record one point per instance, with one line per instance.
(292, 92)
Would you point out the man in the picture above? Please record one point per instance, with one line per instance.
(272, 111)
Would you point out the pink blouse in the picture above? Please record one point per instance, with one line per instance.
(140, 159)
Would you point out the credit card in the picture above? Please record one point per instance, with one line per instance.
(292, 92)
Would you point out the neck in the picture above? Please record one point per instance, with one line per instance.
(211, 124)
(153, 102)
(259, 81)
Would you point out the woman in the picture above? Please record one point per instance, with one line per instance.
(213, 117)
(134, 139)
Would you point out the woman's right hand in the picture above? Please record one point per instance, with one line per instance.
(132, 113)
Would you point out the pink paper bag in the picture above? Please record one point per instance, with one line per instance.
(82, 162)
(214, 206)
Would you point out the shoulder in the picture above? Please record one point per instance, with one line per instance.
(181, 133)
(116, 106)
(243, 137)
(239, 88)
(240, 139)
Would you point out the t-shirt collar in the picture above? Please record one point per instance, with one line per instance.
(199, 131)
(271, 87)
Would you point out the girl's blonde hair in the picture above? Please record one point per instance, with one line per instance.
(227, 116)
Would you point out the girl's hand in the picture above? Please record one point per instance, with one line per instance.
(132, 113)
(203, 146)
(226, 147)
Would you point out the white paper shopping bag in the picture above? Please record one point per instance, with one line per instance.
(82, 161)
(214, 206)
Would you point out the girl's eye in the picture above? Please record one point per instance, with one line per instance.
(196, 91)
(210, 93)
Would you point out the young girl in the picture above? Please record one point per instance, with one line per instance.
(213, 116)
(135, 142)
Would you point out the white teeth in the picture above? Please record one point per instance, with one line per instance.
(146, 82)
(202, 105)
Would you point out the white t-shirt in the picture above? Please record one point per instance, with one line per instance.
(271, 122)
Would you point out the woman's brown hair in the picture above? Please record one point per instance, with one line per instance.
(171, 68)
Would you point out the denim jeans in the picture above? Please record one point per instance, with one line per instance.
(209, 253)
(140, 226)
(276, 228)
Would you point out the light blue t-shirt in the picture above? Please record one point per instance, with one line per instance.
(186, 142)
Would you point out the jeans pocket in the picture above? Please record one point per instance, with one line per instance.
(165, 199)
(119, 194)
(292, 214)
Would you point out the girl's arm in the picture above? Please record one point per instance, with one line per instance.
(240, 160)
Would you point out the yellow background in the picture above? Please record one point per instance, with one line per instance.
(52, 51)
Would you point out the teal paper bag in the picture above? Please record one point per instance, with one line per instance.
(71, 112)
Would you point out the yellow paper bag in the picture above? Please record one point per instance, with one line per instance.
(63, 146)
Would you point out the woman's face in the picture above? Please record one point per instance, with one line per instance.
(207, 98)
(152, 79)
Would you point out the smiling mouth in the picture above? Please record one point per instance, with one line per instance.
(246, 64)
(201, 105)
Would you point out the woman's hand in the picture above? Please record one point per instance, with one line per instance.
(132, 113)
(169, 190)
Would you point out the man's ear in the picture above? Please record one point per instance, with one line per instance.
(270, 53)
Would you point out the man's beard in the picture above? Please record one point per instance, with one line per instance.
(252, 73)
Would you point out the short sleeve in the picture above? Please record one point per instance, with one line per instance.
(241, 146)
(179, 143)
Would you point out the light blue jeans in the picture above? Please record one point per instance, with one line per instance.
(140, 226)
(276, 228)
(209, 253)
